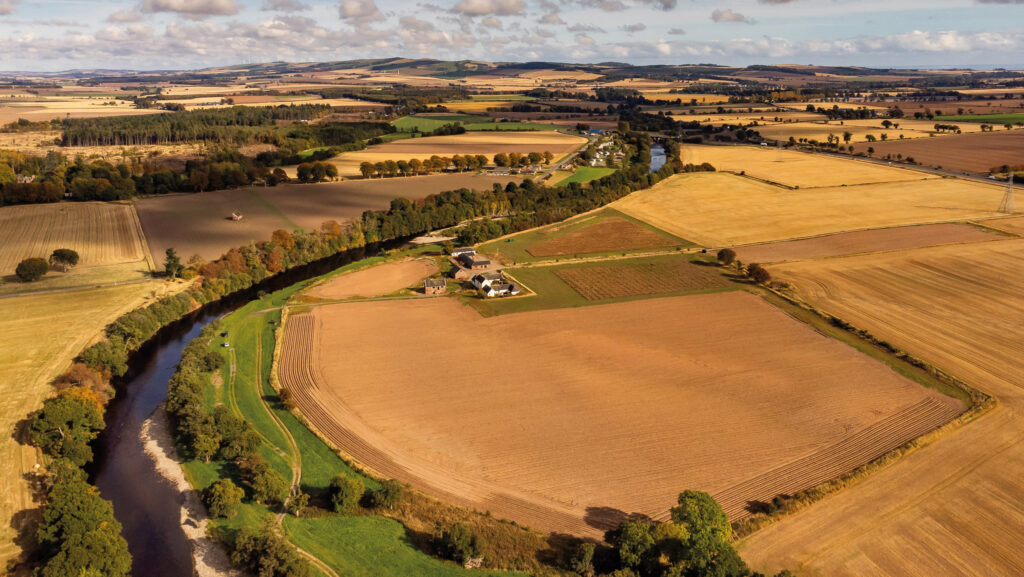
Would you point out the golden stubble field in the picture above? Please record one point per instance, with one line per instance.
(579, 420)
(953, 507)
(796, 169)
(376, 280)
(716, 209)
(102, 233)
(39, 336)
(486, 143)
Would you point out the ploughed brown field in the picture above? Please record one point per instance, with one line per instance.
(861, 241)
(377, 280)
(591, 413)
(200, 223)
(626, 279)
(952, 507)
(610, 234)
(964, 152)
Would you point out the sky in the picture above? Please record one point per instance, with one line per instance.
(52, 35)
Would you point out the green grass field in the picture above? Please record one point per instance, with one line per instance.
(351, 545)
(553, 293)
(428, 123)
(515, 249)
(585, 174)
(997, 119)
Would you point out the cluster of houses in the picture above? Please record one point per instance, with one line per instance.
(473, 267)
(603, 151)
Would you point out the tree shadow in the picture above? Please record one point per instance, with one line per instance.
(608, 518)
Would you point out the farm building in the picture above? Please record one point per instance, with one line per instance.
(459, 273)
(500, 290)
(474, 261)
(457, 252)
(485, 280)
(435, 286)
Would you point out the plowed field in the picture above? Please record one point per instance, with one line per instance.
(591, 413)
(101, 233)
(861, 241)
(965, 152)
(626, 279)
(715, 209)
(609, 234)
(953, 507)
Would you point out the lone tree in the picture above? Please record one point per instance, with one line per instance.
(222, 498)
(32, 269)
(172, 264)
(64, 258)
(388, 496)
(345, 493)
(726, 256)
(758, 273)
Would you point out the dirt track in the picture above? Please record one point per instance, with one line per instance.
(953, 507)
(548, 435)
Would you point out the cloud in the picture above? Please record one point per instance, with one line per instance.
(664, 4)
(676, 31)
(728, 15)
(999, 1)
(122, 16)
(283, 6)
(619, 5)
(551, 18)
(489, 7)
(775, 1)
(631, 28)
(492, 22)
(7, 6)
(191, 9)
(584, 28)
(359, 11)
(584, 40)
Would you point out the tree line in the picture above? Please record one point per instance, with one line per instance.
(457, 163)
(217, 125)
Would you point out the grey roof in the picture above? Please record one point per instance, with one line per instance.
(435, 282)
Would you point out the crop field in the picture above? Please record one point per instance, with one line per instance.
(476, 106)
(968, 152)
(39, 336)
(605, 231)
(859, 133)
(377, 280)
(628, 279)
(486, 143)
(947, 508)
(200, 223)
(39, 109)
(715, 209)
(605, 235)
(435, 121)
(795, 169)
(863, 241)
(995, 119)
(560, 377)
(1012, 225)
(101, 233)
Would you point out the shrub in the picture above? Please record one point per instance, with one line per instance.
(32, 269)
(758, 273)
(345, 493)
(460, 543)
(388, 496)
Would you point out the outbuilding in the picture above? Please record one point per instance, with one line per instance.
(435, 286)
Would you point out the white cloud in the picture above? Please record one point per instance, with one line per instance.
(7, 6)
(192, 9)
(584, 28)
(492, 22)
(122, 16)
(488, 7)
(676, 31)
(728, 15)
(584, 40)
(551, 18)
(360, 11)
(283, 6)
(631, 28)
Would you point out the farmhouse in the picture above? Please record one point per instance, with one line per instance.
(474, 261)
(500, 290)
(485, 280)
(434, 286)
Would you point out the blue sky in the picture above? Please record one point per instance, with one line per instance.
(47, 35)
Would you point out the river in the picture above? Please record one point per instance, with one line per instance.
(145, 503)
(657, 157)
